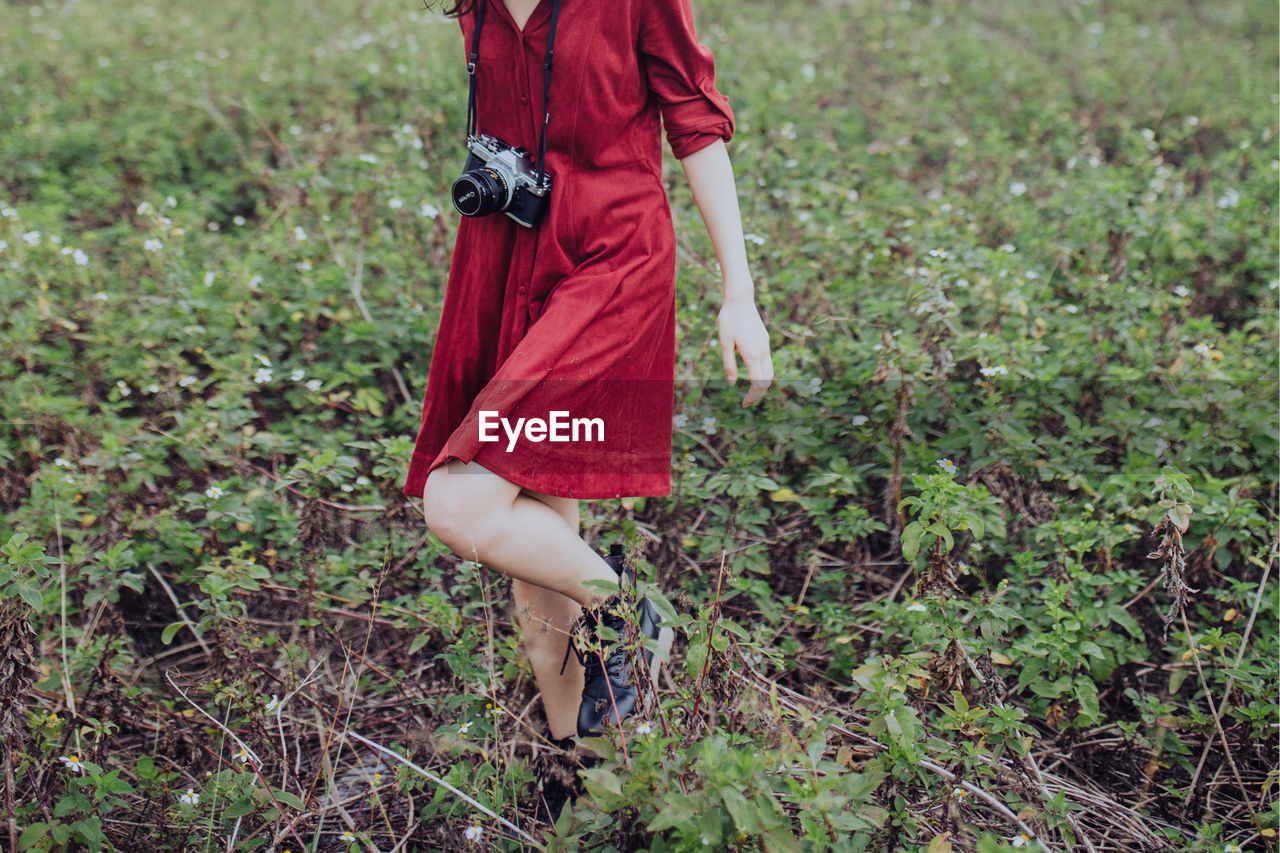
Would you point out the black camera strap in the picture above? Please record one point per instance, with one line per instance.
(546, 81)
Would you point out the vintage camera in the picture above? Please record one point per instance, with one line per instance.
(498, 177)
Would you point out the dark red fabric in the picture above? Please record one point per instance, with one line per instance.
(578, 313)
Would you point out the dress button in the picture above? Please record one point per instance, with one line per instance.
(523, 288)
(524, 99)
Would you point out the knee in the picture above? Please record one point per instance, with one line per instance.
(449, 515)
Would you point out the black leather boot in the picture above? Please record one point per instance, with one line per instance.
(611, 690)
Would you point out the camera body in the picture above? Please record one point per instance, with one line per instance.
(498, 177)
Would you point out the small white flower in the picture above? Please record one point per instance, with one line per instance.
(152, 245)
(947, 465)
(679, 421)
(1017, 188)
(473, 834)
(299, 234)
(997, 370)
(428, 211)
(213, 492)
(4, 244)
(347, 835)
(709, 426)
(274, 704)
(347, 487)
(1071, 309)
(464, 728)
(242, 756)
(1019, 840)
(1008, 247)
(8, 212)
(144, 208)
(858, 420)
(73, 762)
(754, 238)
(368, 158)
(68, 479)
(262, 359)
(959, 792)
(81, 259)
(314, 384)
(808, 71)
(1191, 121)
(1202, 349)
(1181, 290)
(190, 797)
(209, 277)
(254, 282)
(303, 266)
(32, 238)
(395, 203)
(643, 728)
(297, 374)
(153, 388)
(917, 607)
(171, 201)
(237, 220)
(1229, 198)
(362, 480)
(962, 567)
(61, 463)
(262, 375)
(186, 381)
(1232, 847)
(124, 389)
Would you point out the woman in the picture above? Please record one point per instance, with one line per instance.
(576, 315)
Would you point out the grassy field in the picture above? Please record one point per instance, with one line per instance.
(993, 566)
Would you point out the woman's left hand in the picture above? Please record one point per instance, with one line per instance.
(742, 331)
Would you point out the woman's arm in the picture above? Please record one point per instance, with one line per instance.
(711, 181)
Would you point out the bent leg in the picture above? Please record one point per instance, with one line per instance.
(482, 517)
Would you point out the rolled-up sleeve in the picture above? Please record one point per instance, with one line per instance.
(680, 72)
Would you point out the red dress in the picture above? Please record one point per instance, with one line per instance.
(576, 315)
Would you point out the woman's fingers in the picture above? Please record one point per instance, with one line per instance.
(760, 369)
(741, 331)
(727, 355)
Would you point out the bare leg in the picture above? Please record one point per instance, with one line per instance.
(482, 517)
(466, 507)
(545, 618)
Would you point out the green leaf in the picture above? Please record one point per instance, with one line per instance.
(239, 809)
(288, 799)
(32, 834)
(661, 604)
(1087, 693)
(166, 636)
(676, 811)
(744, 816)
(603, 780)
(911, 540)
(31, 594)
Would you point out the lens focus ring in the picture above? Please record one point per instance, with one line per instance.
(480, 192)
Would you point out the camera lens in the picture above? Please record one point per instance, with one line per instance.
(480, 192)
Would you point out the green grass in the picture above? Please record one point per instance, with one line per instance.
(1037, 240)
